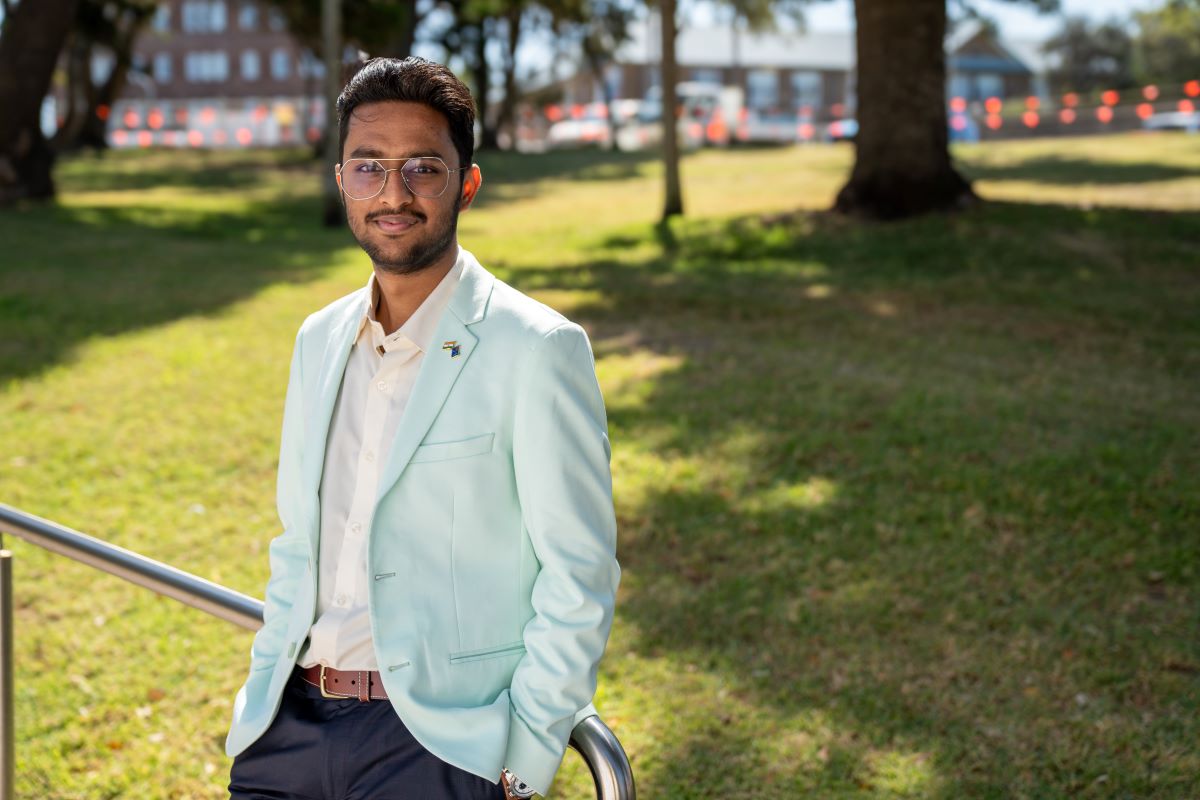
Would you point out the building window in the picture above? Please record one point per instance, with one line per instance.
(612, 79)
(162, 19)
(102, 67)
(248, 17)
(206, 67)
(988, 84)
(763, 89)
(281, 64)
(711, 77)
(275, 20)
(194, 17)
(162, 67)
(960, 86)
(250, 65)
(310, 66)
(806, 91)
(204, 16)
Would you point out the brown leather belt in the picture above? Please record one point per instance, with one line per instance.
(339, 684)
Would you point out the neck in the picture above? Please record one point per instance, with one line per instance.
(401, 295)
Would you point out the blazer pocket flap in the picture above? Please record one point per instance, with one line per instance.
(443, 451)
(487, 652)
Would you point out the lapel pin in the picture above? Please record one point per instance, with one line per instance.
(454, 347)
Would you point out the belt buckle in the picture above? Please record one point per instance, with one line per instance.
(321, 686)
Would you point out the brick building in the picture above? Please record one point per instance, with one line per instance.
(217, 73)
(782, 72)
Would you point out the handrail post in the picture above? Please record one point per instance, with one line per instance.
(591, 738)
(7, 734)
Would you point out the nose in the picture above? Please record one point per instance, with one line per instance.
(395, 190)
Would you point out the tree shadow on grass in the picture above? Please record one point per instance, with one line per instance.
(92, 266)
(72, 273)
(931, 483)
(1067, 171)
(585, 164)
(199, 169)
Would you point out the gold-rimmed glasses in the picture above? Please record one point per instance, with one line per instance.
(425, 176)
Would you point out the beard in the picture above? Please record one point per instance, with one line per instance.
(410, 258)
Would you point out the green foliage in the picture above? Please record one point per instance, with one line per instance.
(906, 510)
(1090, 56)
(374, 26)
(1168, 44)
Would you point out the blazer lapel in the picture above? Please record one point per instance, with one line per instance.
(451, 348)
(329, 381)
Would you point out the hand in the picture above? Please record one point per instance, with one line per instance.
(504, 783)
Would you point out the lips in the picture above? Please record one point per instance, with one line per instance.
(395, 223)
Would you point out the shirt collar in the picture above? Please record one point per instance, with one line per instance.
(420, 328)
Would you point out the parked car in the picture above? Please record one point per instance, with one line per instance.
(841, 130)
(589, 126)
(766, 127)
(696, 104)
(1173, 121)
(962, 129)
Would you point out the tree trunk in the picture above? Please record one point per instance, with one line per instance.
(333, 215)
(125, 33)
(34, 33)
(400, 45)
(483, 88)
(902, 165)
(95, 127)
(504, 116)
(79, 93)
(596, 61)
(673, 202)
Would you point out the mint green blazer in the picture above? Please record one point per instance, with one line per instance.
(493, 544)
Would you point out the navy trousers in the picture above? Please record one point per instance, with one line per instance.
(321, 749)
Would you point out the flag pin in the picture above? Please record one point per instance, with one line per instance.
(454, 347)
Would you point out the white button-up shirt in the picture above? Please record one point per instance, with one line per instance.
(379, 377)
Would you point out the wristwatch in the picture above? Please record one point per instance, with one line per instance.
(517, 787)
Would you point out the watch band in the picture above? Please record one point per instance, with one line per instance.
(517, 787)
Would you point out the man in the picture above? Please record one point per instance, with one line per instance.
(443, 587)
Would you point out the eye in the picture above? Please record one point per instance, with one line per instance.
(425, 168)
(367, 166)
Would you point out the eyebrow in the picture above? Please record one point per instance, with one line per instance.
(366, 151)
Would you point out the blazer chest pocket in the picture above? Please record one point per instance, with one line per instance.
(511, 648)
(444, 451)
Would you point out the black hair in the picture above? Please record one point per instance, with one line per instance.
(412, 80)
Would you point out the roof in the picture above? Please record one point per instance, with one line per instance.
(703, 47)
(1020, 55)
(834, 51)
(1031, 54)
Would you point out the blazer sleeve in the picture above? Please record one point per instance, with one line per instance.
(289, 551)
(561, 457)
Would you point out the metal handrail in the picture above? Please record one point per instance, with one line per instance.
(591, 738)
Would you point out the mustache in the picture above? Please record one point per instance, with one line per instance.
(417, 215)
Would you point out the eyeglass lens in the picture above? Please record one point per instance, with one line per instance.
(363, 178)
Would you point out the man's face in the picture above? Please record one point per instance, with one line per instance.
(403, 233)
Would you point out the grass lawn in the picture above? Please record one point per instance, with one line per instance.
(906, 510)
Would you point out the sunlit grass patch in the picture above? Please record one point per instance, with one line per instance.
(905, 510)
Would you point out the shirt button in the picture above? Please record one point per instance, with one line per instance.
(370, 456)
(340, 599)
(355, 528)
(381, 386)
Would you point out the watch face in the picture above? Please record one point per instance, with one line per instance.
(517, 787)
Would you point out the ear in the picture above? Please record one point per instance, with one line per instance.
(337, 176)
(471, 184)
